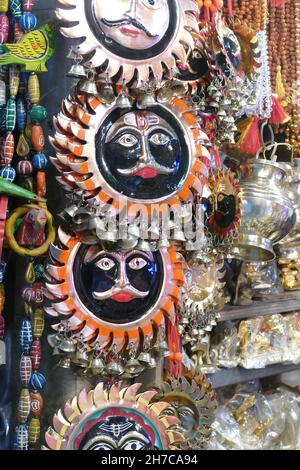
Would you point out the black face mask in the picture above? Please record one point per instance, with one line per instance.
(110, 434)
(102, 274)
(165, 146)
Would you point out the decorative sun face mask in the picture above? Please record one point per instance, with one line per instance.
(230, 46)
(222, 205)
(201, 301)
(131, 34)
(114, 296)
(129, 155)
(195, 68)
(117, 419)
(193, 403)
(250, 50)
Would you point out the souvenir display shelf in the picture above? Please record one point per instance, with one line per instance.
(287, 302)
(237, 375)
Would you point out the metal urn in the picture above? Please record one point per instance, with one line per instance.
(289, 247)
(267, 211)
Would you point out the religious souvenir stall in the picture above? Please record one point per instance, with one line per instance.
(149, 206)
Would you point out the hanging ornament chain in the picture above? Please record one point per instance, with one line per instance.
(30, 404)
(293, 132)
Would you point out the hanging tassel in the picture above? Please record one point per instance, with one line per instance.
(280, 90)
(175, 349)
(278, 114)
(249, 141)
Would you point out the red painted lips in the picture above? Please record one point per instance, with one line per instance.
(146, 173)
(130, 32)
(122, 297)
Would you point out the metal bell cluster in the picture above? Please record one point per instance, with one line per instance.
(200, 304)
(94, 226)
(72, 352)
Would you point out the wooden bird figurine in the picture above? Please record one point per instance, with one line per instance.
(32, 51)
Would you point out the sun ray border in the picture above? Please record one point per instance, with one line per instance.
(85, 404)
(65, 301)
(72, 14)
(76, 127)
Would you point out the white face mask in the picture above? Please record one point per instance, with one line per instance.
(135, 24)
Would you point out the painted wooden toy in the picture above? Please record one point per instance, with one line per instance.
(32, 51)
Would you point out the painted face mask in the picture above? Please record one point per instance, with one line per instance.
(144, 155)
(132, 156)
(230, 46)
(135, 25)
(118, 287)
(222, 204)
(195, 68)
(114, 297)
(114, 420)
(131, 34)
(193, 403)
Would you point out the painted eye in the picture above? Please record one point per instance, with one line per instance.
(134, 445)
(127, 140)
(159, 139)
(101, 447)
(196, 55)
(137, 263)
(106, 264)
(153, 4)
(221, 197)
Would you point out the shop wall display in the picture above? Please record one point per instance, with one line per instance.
(149, 242)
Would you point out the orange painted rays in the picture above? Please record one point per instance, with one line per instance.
(66, 301)
(78, 127)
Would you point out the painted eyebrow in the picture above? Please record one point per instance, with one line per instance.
(140, 253)
(120, 130)
(104, 439)
(133, 435)
(159, 128)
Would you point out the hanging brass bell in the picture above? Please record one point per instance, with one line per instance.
(87, 86)
(65, 363)
(76, 71)
(133, 367)
(179, 235)
(80, 358)
(67, 345)
(123, 101)
(145, 358)
(106, 93)
(146, 101)
(97, 365)
(144, 245)
(164, 348)
(113, 368)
